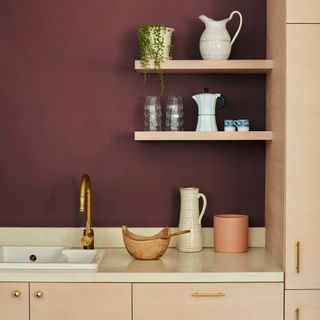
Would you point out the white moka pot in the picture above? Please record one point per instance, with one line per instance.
(207, 110)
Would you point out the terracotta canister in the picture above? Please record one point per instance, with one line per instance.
(231, 233)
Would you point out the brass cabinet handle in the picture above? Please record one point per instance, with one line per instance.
(298, 256)
(297, 311)
(17, 293)
(208, 294)
(39, 294)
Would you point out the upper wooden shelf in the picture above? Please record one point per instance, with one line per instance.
(211, 66)
(201, 136)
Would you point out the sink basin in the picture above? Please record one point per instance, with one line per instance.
(49, 258)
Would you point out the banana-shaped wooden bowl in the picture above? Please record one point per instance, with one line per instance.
(148, 248)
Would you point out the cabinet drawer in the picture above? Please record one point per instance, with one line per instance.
(302, 305)
(224, 301)
(81, 301)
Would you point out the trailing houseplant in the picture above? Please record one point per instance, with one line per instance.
(155, 47)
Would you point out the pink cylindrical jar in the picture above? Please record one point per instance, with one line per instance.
(231, 233)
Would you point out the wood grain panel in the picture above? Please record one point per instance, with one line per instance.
(306, 11)
(11, 307)
(303, 156)
(240, 301)
(275, 119)
(307, 303)
(80, 301)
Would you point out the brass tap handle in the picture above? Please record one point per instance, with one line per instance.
(208, 294)
(88, 239)
(298, 256)
(297, 311)
(17, 293)
(39, 294)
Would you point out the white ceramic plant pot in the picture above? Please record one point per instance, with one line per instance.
(167, 36)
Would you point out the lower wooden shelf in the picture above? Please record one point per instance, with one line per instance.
(201, 136)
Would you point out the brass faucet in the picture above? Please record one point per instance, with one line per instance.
(85, 207)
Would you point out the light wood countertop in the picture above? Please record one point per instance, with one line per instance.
(206, 266)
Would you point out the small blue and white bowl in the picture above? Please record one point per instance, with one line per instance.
(242, 124)
(229, 125)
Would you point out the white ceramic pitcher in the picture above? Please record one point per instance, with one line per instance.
(215, 41)
(190, 219)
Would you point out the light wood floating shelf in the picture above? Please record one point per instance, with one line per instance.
(204, 136)
(211, 66)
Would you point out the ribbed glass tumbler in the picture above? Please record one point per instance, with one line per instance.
(152, 114)
(174, 114)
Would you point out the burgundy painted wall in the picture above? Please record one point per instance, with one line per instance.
(70, 101)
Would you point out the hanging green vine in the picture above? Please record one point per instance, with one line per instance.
(151, 44)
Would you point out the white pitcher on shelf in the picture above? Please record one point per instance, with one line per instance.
(190, 219)
(215, 41)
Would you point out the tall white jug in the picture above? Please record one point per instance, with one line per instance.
(190, 219)
(215, 41)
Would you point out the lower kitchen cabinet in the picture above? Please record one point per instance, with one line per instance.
(80, 301)
(178, 301)
(14, 301)
(302, 305)
(223, 301)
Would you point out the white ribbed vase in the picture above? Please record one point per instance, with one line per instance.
(190, 219)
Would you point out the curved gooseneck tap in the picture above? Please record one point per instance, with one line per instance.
(85, 207)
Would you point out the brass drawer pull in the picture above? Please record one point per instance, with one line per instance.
(208, 294)
(297, 311)
(39, 294)
(17, 293)
(298, 256)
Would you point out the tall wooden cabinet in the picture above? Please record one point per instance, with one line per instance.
(293, 157)
(303, 157)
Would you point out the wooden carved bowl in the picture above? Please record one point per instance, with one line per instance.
(148, 247)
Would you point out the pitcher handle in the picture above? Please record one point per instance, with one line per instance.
(240, 25)
(204, 206)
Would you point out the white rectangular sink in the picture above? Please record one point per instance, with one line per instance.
(25, 257)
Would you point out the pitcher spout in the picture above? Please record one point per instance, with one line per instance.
(207, 21)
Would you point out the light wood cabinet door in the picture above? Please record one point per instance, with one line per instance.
(80, 301)
(14, 301)
(302, 305)
(223, 301)
(306, 11)
(303, 157)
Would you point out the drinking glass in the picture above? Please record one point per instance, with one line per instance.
(174, 114)
(153, 114)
